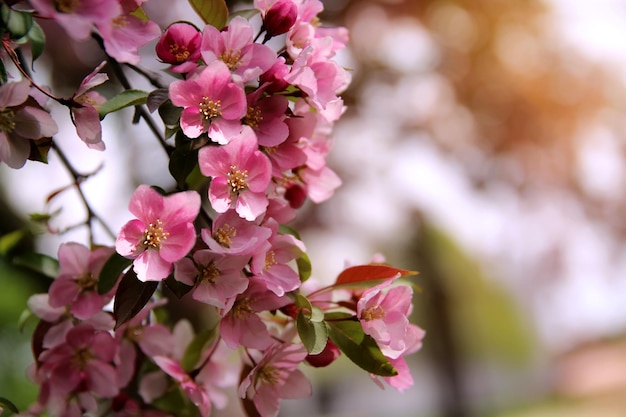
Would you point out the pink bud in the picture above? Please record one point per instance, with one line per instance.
(295, 195)
(179, 44)
(280, 17)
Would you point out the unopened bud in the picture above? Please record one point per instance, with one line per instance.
(280, 17)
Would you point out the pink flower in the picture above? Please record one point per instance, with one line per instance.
(211, 103)
(76, 285)
(384, 316)
(82, 363)
(86, 118)
(272, 268)
(280, 17)
(180, 46)
(241, 325)
(216, 278)
(192, 389)
(21, 119)
(78, 17)
(236, 48)
(232, 235)
(124, 34)
(274, 377)
(162, 233)
(266, 116)
(240, 175)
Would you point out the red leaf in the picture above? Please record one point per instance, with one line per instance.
(371, 272)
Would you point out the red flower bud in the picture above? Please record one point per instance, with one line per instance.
(325, 357)
(280, 17)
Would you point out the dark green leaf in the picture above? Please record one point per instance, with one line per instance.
(197, 347)
(131, 296)
(17, 23)
(157, 98)
(212, 12)
(5, 403)
(314, 334)
(178, 288)
(181, 164)
(111, 271)
(37, 40)
(39, 150)
(38, 262)
(359, 347)
(124, 99)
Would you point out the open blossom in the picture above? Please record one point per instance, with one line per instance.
(216, 278)
(162, 233)
(232, 235)
(76, 285)
(180, 47)
(211, 103)
(240, 175)
(86, 118)
(21, 119)
(384, 316)
(266, 117)
(236, 48)
(274, 377)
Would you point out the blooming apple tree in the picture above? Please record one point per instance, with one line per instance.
(246, 129)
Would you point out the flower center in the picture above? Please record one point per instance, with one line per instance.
(66, 6)
(242, 308)
(237, 179)
(270, 259)
(224, 235)
(154, 235)
(179, 52)
(82, 356)
(373, 313)
(86, 282)
(231, 59)
(209, 273)
(120, 22)
(7, 120)
(210, 109)
(268, 374)
(253, 117)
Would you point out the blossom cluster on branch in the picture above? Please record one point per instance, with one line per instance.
(246, 127)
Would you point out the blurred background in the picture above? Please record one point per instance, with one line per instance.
(484, 146)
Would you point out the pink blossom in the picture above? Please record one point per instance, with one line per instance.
(232, 235)
(78, 17)
(240, 175)
(124, 34)
(83, 362)
(86, 118)
(76, 285)
(271, 266)
(274, 377)
(21, 119)
(280, 17)
(192, 389)
(266, 116)
(384, 316)
(216, 278)
(180, 47)
(162, 233)
(241, 325)
(236, 48)
(273, 80)
(211, 103)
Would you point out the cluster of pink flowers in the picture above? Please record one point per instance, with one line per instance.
(255, 122)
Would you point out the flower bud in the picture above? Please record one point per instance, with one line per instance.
(325, 357)
(180, 44)
(280, 17)
(295, 195)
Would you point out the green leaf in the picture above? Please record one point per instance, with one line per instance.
(39, 262)
(181, 164)
(372, 272)
(157, 98)
(39, 150)
(4, 77)
(359, 347)
(10, 241)
(305, 268)
(111, 271)
(37, 40)
(193, 353)
(178, 288)
(17, 23)
(131, 296)
(5, 403)
(25, 317)
(124, 99)
(212, 12)
(314, 334)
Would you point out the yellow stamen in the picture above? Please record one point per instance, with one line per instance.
(224, 235)
(236, 179)
(253, 117)
(373, 313)
(210, 109)
(154, 235)
(7, 120)
(231, 59)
